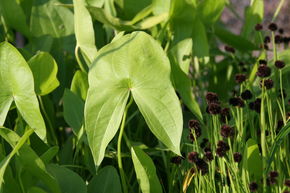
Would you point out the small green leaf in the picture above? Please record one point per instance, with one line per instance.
(107, 180)
(73, 109)
(136, 64)
(68, 180)
(36, 190)
(79, 84)
(17, 84)
(44, 69)
(253, 160)
(145, 171)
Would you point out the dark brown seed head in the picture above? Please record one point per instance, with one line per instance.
(176, 160)
(253, 187)
(258, 27)
(192, 157)
(278, 39)
(271, 181)
(225, 115)
(223, 145)
(263, 62)
(237, 157)
(246, 95)
(279, 64)
(256, 105)
(240, 78)
(193, 124)
(263, 71)
(281, 31)
(230, 49)
(211, 97)
(273, 26)
(267, 39)
(202, 166)
(214, 108)
(227, 131)
(208, 156)
(220, 152)
(268, 83)
(236, 102)
(287, 183)
(273, 174)
(286, 191)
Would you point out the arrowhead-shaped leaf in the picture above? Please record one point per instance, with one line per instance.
(136, 64)
(17, 84)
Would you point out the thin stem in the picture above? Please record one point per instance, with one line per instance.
(83, 68)
(50, 126)
(120, 165)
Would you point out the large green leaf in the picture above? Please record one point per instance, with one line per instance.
(136, 64)
(17, 85)
(44, 69)
(84, 31)
(199, 40)
(145, 171)
(73, 109)
(68, 180)
(49, 18)
(107, 180)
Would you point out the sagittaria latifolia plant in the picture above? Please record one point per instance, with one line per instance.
(152, 96)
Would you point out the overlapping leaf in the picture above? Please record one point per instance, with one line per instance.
(17, 85)
(136, 64)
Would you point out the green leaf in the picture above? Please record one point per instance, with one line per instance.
(199, 40)
(47, 156)
(84, 31)
(136, 64)
(107, 180)
(4, 163)
(44, 69)
(253, 160)
(210, 10)
(48, 18)
(79, 84)
(68, 180)
(36, 190)
(104, 17)
(73, 109)
(14, 16)
(277, 143)
(254, 14)
(233, 40)
(17, 84)
(145, 171)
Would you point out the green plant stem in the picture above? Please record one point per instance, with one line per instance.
(50, 126)
(120, 165)
(82, 67)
